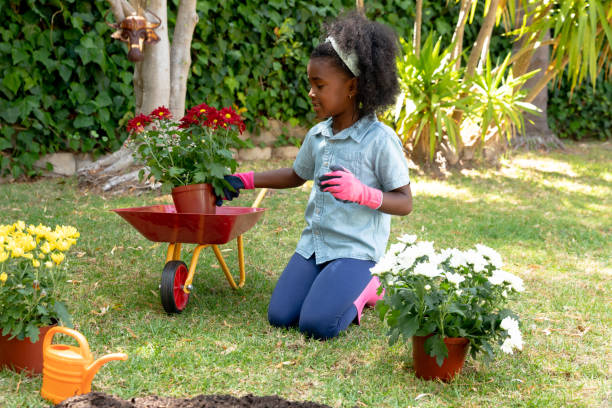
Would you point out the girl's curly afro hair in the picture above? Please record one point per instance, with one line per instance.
(376, 46)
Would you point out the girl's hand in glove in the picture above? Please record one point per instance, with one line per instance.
(344, 186)
(236, 181)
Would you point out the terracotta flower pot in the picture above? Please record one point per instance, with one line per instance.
(427, 368)
(194, 198)
(23, 355)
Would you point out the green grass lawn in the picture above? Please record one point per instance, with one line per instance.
(549, 216)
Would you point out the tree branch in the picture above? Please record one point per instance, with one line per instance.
(116, 9)
(530, 48)
(127, 8)
(484, 35)
(551, 72)
(138, 87)
(418, 21)
(360, 6)
(180, 55)
(528, 39)
(481, 46)
(459, 30)
(155, 72)
(120, 9)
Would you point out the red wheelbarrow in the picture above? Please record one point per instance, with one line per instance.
(161, 223)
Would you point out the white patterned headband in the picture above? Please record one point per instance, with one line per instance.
(349, 59)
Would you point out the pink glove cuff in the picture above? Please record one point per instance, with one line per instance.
(247, 179)
(372, 197)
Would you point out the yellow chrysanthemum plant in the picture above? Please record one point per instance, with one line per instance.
(32, 275)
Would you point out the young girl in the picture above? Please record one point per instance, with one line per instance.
(361, 177)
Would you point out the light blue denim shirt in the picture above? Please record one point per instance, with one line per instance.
(334, 229)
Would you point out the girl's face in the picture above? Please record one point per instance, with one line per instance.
(332, 91)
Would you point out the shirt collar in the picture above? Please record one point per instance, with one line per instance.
(356, 131)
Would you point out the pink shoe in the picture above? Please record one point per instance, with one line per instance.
(368, 297)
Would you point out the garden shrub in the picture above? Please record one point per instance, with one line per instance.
(65, 85)
(584, 114)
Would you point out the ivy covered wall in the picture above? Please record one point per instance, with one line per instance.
(66, 85)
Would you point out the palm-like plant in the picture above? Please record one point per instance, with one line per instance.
(581, 38)
(433, 89)
(496, 101)
(438, 95)
(430, 85)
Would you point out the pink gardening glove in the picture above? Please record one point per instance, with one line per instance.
(237, 181)
(247, 179)
(344, 186)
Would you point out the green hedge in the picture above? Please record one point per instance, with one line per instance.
(585, 113)
(66, 85)
(244, 57)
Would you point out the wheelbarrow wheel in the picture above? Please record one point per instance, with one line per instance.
(173, 297)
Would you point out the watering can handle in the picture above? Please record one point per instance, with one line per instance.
(83, 345)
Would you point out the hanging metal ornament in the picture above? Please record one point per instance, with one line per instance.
(136, 31)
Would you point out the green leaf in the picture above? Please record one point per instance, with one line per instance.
(65, 72)
(19, 52)
(409, 325)
(393, 336)
(88, 108)
(435, 347)
(456, 308)
(175, 171)
(382, 308)
(487, 348)
(32, 332)
(231, 83)
(78, 93)
(199, 177)
(12, 81)
(83, 121)
(42, 55)
(5, 144)
(217, 170)
(103, 99)
(10, 113)
(104, 115)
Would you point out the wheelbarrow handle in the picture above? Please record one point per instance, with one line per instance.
(259, 198)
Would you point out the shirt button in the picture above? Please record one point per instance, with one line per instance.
(326, 163)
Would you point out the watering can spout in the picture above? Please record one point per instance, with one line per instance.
(93, 368)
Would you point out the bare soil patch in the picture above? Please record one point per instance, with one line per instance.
(102, 400)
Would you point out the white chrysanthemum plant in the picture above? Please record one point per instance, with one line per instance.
(448, 293)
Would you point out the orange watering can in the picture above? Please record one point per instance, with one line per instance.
(68, 370)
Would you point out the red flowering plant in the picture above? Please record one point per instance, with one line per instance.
(196, 149)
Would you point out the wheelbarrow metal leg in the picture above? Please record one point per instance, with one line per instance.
(174, 252)
(226, 271)
(170, 252)
(241, 260)
(177, 251)
(192, 266)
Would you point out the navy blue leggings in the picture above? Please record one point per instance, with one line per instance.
(319, 299)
